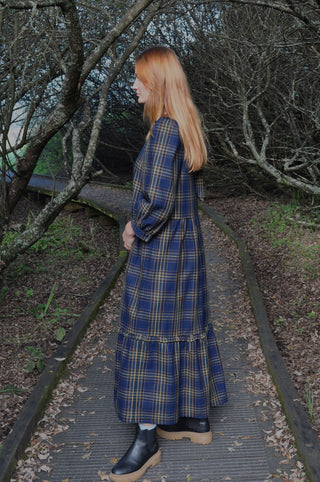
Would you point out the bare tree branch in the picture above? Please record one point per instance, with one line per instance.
(129, 17)
(68, 104)
(69, 101)
(31, 4)
(257, 83)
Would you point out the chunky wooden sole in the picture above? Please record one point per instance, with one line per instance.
(195, 437)
(152, 462)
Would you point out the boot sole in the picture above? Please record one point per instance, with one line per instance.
(195, 437)
(152, 462)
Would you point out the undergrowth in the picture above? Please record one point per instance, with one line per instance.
(63, 244)
(293, 231)
(296, 229)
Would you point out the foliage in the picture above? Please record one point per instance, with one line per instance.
(309, 398)
(64, 240)
(11, 389)
(9, 236)
(51, 161)
(287, 225)
(58, 238)
(36, 360)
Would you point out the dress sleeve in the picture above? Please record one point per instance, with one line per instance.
(198, 176)
(156, 201)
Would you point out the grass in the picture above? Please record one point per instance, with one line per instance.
(59, 238)
(64, 244)
(11, 389)
(309, 398)
(46, 314)
(291, 238)
(293, 228)
(63, 239)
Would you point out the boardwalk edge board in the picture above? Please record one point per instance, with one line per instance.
(305, 437)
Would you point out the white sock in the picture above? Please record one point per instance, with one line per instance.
(146, 427)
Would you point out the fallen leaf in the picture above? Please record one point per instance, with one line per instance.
(43, 456)
(103, 475)
(82, 389)
(88, 446)
(86, 456)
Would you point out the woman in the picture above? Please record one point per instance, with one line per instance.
(168, 371)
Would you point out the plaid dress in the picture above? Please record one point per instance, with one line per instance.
(167, 358)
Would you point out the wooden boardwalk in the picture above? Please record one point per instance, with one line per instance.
(245, 431)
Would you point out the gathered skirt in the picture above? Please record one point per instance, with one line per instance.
(167, 358)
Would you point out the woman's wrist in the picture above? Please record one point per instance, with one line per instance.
(128, 236)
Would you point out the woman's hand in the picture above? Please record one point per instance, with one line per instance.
(128, 236)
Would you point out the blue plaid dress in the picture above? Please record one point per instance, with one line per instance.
(167, 359)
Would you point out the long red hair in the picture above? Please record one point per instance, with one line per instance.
(159, 69)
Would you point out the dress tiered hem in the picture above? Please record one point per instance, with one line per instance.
(158, 380)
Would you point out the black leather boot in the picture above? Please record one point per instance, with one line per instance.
(196, 429)
(142, 454)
